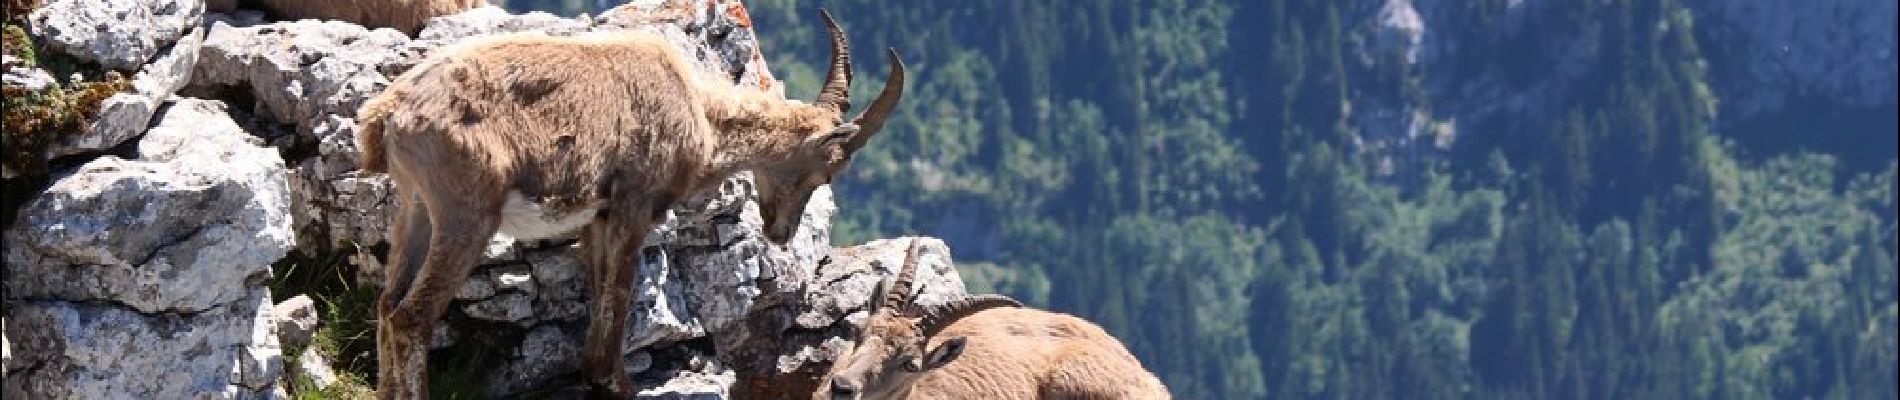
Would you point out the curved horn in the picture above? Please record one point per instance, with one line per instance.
(836, 93)
(899, 295)
(872, 120)
(937, 317)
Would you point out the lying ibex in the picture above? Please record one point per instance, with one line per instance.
(981, 347)
(408, 16)
(537, 136)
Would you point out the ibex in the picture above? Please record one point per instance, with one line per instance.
(537, 136)
(408, 16)
(981, 347)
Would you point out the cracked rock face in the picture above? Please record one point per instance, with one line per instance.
(167, 251)
(1787, 51)
(121, 35)
(704, 270)
(199, 215)
(18, 75)
(173, 244)
(80, 350)
(787, 343)
(126, 115)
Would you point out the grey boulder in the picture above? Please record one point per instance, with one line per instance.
(120, 35)
(191, 223)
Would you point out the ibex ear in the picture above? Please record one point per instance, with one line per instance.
(840, 135)
(877, 297)
(944, 353)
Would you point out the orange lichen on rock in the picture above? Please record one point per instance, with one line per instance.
(739, 16)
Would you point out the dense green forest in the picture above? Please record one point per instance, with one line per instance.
(1220, 184)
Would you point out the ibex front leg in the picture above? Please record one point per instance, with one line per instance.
(611, 248)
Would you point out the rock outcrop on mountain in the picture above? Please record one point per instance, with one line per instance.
(1779, 52)
(1417, 70)
(142, 269)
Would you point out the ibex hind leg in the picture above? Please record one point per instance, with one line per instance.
(408, 249)
(463, 213)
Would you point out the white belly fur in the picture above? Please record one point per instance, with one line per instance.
(528, 220)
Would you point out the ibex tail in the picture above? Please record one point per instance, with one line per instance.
(369, 130)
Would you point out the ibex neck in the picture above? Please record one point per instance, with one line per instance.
(741, 151)
(755, 130)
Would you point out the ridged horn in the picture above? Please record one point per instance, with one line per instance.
(937, 317)
(836, 93)
(899, 295)
(872, 120)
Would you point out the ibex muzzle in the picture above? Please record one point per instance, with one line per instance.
(891, 350)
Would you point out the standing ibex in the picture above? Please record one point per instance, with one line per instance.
(981, 347)
(536, 136)
(408, 16)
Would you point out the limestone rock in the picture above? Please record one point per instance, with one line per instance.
(173, 68)
(85, 350)
(507, 307)
(477, 287)
(492, 20)
(189, 225)
(313, 366)
(126, 115)
(26, 78)
(311, 75)
(790, 341)
(691, 386)
(296, 320)
(121, 117)
(545, 352)
(121, 35)
(299, 71)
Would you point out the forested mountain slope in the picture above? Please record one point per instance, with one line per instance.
(1418, 199)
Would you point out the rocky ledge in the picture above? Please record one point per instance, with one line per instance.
(141, 269)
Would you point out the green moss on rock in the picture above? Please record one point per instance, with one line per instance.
(32, 120)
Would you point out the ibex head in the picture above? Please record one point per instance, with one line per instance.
(889, 355)
(784, 189)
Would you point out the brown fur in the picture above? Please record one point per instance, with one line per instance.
(370, 132)
(616, 121)
(408, 16)
(995, 350)
(1023, 353)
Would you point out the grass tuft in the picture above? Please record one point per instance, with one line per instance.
(347, 334)
(346, 331)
